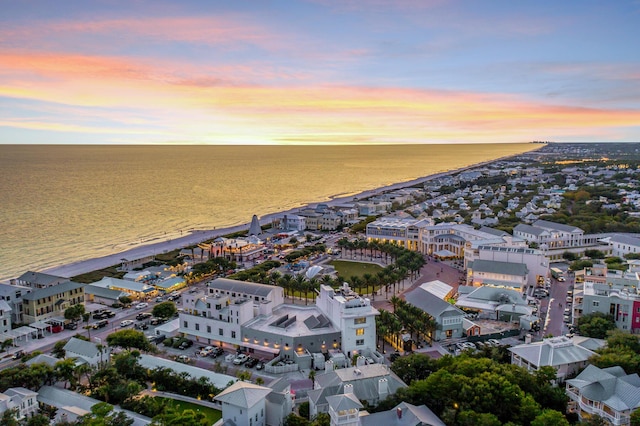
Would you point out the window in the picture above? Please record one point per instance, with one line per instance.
(596, 303)
(186, 324)
(362, 320)
(360, 342)
(197, 327)
(208, 329)
(359, 331)
(221, 332)
(233, 334)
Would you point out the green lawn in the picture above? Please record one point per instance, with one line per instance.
(358, 269)
(211, 414)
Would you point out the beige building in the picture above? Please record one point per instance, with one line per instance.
(51, 301)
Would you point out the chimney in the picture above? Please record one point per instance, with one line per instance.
(348, 388)
(399, 412)
(383, 388)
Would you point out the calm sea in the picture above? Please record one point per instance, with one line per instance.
(61, 204)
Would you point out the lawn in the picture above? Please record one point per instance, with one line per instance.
(210, 414)
(347, 270)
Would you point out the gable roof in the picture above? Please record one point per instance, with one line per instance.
(528, 229)
(347, 401)
(243, 394)
(611, 386)
(553, 352)
(41, 278)
(430, 303)
(556, 226)
(82, 348)
(103, 292)
(403, 414)
(51, 291)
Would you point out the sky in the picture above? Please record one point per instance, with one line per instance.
(319, 71)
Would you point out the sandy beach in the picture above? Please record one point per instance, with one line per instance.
(198, 236)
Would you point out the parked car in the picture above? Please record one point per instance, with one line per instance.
(156, 321)
(183, 359)
(394, 356)
(159, 299)
(142, 326)
(99, 314)
(216, 352)
(260, 365)
(142, 305)
(143, 315)
(494, 342)
(18, 354)
(71, 325)
(251, 362)
(206, 351)
(108, 314)
(566, 318)
(185, 344)
(100, 324)
(126, 323)
(240, 359)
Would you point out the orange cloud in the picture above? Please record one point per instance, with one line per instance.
(171, 103)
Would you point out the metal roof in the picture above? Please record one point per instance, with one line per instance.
(82, 348)
(611, 386)
(403, 414)
(243, 394)
(241, 287)
(51, 291)
(553, 352)
(498, 267)
(430, 303)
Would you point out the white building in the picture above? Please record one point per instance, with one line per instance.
(244, 404)
(352, 314)
(21, 399)
(535, 260)
(498, 274)
(86, 352)
(12, 294)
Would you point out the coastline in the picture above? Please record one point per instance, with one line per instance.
(198, 236)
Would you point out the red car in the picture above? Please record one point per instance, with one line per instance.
(56, 329)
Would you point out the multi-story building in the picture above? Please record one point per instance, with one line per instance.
(5, 317)
(12, 294)
(51, 302)
(254, 317)
(39, 280)
(609, 393)
(623, 244)
(21, 399)
(404, 232)
(536, 262)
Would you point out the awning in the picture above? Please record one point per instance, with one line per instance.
(444, 253)
(517, 309)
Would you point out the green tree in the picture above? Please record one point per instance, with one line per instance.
(37, 420)
(295, 420)
(65, 371)
(303, 410)
(58, 349)
(635, 418)
(128, 339)
(174, 417)
(164, 310)
(102, 414)
(596, 325)
(10, 417)
(74, 313)
(550, 418)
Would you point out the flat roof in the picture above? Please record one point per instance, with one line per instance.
(303, 316)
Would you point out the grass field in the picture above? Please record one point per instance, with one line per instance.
(210, 414)
(358, 269)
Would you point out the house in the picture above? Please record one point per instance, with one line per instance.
(21, 399)
(12, 294)
(136, 290)
(86, 352)
(344, 410)
(51, 302)
(39, 280)
(244, 404)
(608, 392)
(566, 355)
(403, 414)
(5, 317)
(493, 302)
(371, 383)
(103, 295)
(448, 318)
(498, 274)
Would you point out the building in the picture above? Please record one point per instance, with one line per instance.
(103, 295)
(39, 280)
(430, 297)
(403, 414)
(566, 355)
(535, 260)
(86, 352)
(498, 274)
(136, 290)
(5, 318)
(403, 232)
(623, 244)
(609, 393)
(12, 294)
(344, 410)
(51, 302)
(21, 399)
(244, 404)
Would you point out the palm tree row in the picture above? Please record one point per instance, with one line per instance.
(406, 317)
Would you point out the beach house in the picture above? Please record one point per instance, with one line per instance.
(51, 302)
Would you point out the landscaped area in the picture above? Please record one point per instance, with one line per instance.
(347, 269)
(211, 415)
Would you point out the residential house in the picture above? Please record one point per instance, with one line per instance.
(609, 393)
(448, 318)
(567, 355)
(39, 280)
(21, 399)
(244, 404)
(344, 410)
(86, 352)
(12, 294)
(51, 302)
(5, 318)
(403, 414)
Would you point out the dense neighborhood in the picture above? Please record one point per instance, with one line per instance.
(505, 293)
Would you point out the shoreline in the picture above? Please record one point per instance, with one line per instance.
(195, 237)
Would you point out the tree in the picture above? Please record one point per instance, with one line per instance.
(128, 339)
(58, 349)
(635, 418)
(74, 313)
(102, 414)
(38, 420)
(10, 417)
(596, 325)
(174, 417)
(65, 370)
(125, 300)
(164, 310)
(550, 418)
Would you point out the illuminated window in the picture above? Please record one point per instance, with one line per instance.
(362, 320)
(360, 332)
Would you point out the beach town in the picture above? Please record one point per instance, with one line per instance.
(314, 311)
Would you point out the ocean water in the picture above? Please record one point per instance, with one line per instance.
(62, 204)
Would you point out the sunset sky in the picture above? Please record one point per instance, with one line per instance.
(319, 71)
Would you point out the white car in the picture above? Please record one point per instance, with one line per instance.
(126, 323)
(206, 351)
(142, 305)
(240, 359)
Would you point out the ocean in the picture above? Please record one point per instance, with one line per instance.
(66, 203)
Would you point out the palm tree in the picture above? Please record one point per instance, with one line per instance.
(314, 286)
(286, 282)
(395, 301)
(298, 283)
(367, 279)
(274, 277)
